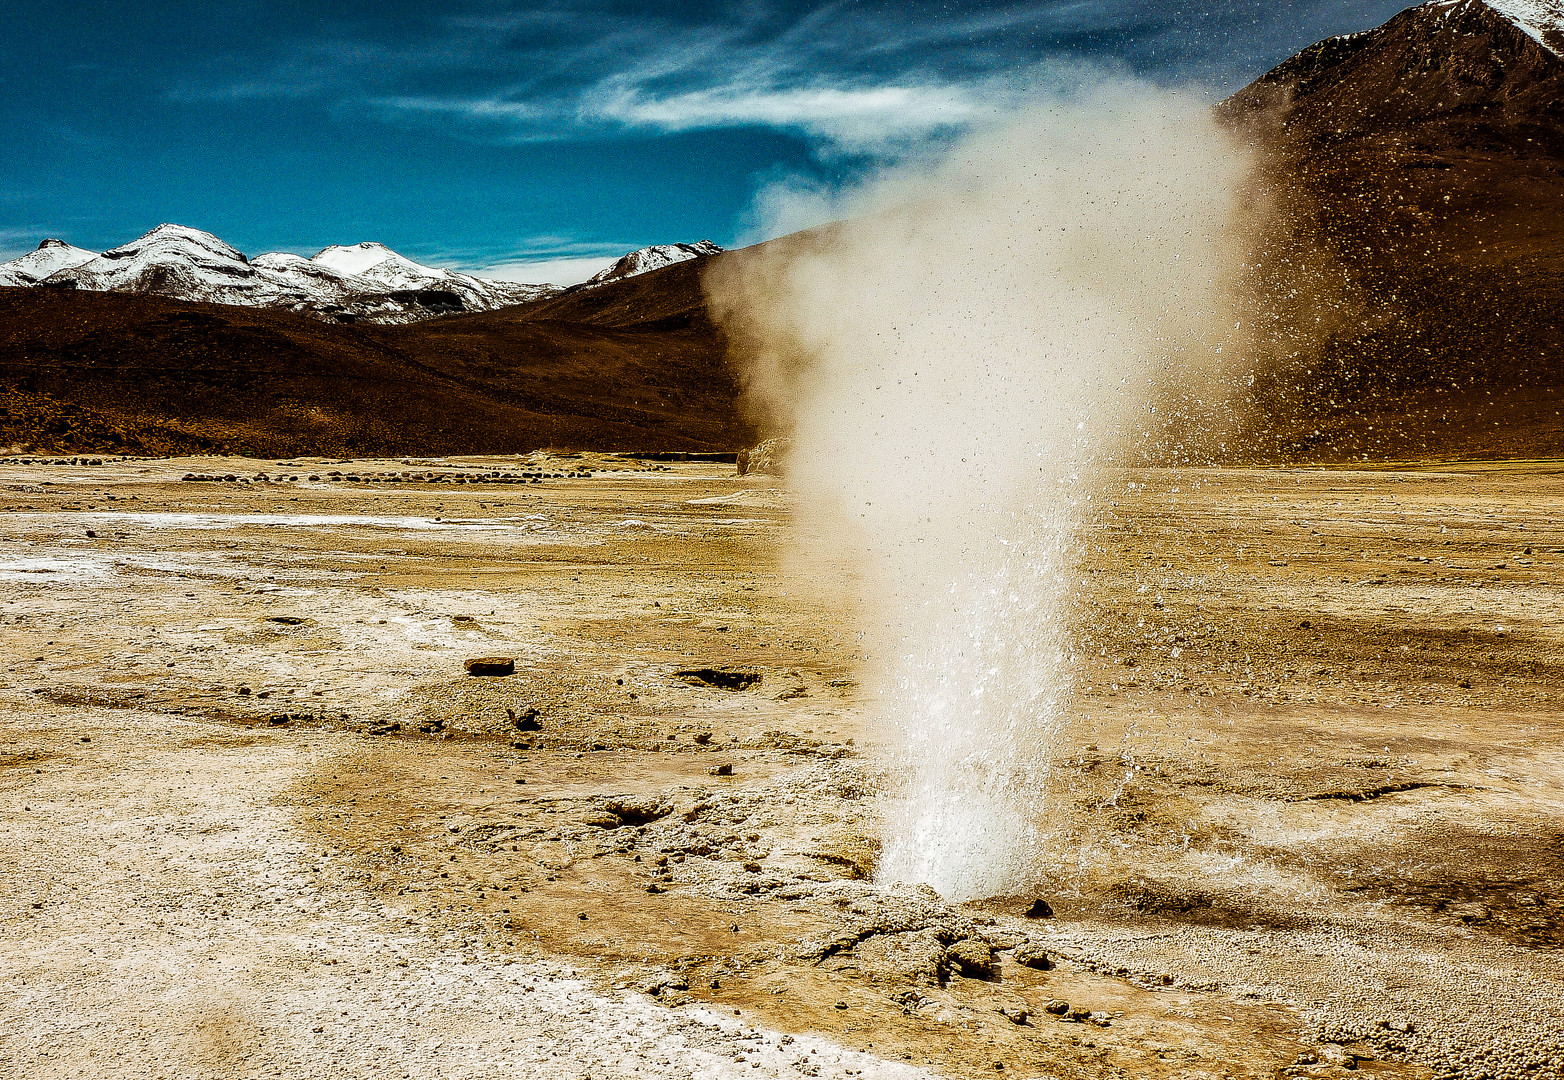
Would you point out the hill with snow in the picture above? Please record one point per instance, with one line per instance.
(1413, 270)
(362, 283)
(648, 259)
(48, 258)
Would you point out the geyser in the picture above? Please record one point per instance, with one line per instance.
(957, 359)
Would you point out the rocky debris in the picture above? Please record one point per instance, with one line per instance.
(1040, 909)
(1056, 1007)
(769, 457)
(724, 678)
(663, 982)
(529, 476)
(491, 665)
(1034, 956)
(527, 721)
(974, 958)
(725, 769)
(1014, 1013)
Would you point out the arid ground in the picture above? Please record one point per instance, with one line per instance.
(258, 821)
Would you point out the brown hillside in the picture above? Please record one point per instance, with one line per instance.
(106, 372)
(1420, 171)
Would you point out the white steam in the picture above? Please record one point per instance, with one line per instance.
(956, 361)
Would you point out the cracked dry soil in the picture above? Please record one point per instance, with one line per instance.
(259, 822)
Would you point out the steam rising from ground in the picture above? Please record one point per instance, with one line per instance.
(956, 360)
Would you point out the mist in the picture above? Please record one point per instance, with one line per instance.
(959, 359)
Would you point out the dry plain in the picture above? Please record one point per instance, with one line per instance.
(259, 822)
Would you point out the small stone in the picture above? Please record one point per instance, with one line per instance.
(703, 738)
(973, 957)
(1339, 1056)
(527, 721)
(1033, 956)
(722, 770)
(1040, 909)
(582, 916)
(1057, 1007)
(1014, 1014)
(841, 1004)
(491, 665)
(1101, 1019)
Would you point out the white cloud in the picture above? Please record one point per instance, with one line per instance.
(559, 271)
(852, 117)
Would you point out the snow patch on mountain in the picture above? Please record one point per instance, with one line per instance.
(1541, 20)
(50, 257)
(651, 258)
(364, 282)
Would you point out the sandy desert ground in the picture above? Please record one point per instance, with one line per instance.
(1308, 814)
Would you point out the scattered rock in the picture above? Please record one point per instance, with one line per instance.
(769, 457)
(918, 957)
(722, 770)
(724, 678)
(1034, 956)
(1337, 1055)
(491, 665)
(1040, 909)
(1014, 1013)
(527, 721)
(662, 982)
(973, 957)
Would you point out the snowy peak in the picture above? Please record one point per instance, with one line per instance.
(651, 258)
(1498, 64)
(1540, 20)
(356, 258)
(50, 257)
(177, 242)
(367, 282)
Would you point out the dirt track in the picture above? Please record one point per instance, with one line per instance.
(1313, 790)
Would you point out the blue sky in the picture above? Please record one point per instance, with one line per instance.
(535, 141)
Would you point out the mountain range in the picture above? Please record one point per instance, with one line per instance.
(366, 282)
(1407, 274)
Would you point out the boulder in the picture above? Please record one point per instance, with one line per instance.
(491, 665)
(769, 458)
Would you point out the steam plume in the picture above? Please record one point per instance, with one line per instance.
(957, 360)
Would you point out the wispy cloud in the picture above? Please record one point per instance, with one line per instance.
(843, 76)
(849, 77)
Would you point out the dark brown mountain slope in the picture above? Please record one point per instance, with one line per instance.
(1420, 171)
(105, 372)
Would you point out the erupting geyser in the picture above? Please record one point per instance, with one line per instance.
(957, 360)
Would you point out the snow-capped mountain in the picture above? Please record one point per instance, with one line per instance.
(1464, 64)
(650, 258)
(379, 264)
(364, 282)
(1540, 20)
(50, 257)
